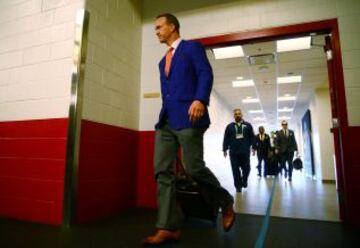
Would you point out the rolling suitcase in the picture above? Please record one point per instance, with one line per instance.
(190, 200)
(272, 164)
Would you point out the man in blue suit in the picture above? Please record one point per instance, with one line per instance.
(239, 138)
(186, 82)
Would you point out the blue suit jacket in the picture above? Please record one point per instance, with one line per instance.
(190, 78)
(239, 146)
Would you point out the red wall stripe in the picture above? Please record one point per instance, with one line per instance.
(32, 165)
(34, 128)
(146, 185)
(46, 169)
(31, 210)
(33, 147)
(107, 170)
(45, 190)
(352, 172)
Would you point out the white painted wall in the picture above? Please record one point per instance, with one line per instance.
(212, 17)
(112, 73)
(220, 115)
(36, 51)
(323, 140)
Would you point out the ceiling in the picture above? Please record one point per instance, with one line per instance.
(309, 63)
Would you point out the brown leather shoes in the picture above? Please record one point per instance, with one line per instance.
(162, 236)
(228, 217)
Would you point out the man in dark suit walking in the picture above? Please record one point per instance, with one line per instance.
(238, 138)
(262, 147)
(286, 146)
(186, 80)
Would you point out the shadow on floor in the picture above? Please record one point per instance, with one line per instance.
(127, 230)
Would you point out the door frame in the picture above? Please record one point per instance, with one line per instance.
(336, 86)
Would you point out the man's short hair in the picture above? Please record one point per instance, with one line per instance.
(171, 19)
(237, 109)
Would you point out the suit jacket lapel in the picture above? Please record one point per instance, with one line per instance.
(162, 67)
(175, 57)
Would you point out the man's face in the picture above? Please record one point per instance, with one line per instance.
(261, 130)
(237, 115)
(163, 29)
(284, 125)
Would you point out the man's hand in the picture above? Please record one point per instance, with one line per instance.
(276, 151)
(225, 154)
(196, 111)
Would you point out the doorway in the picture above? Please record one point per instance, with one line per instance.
(262, 63)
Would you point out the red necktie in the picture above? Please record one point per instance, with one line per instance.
(168, 59)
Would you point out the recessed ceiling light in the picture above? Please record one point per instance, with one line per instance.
(257, 111)
(289, 79)
(284, 118)
(228, 52)
(239, 78)
(285, 110)
(286, 98)
(243, 83)
(287, 95)
(260, 124)
(250, 100)
(293, 44)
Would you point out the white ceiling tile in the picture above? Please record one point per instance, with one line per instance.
(310, 64)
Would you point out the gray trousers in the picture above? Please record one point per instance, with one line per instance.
(167, 142)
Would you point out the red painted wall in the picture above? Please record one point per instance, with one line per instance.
(352, 174)
(107, 171)
(32, 165)
(146, 185)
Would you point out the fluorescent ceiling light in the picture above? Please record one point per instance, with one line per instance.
(228, 52)
(243, 83)
(289, 79)
(285, 110)
(293, 44)
(257, 111)
(259, 119)
(286, 98)
(250, 100)
(284, 118)
(239, 78)
(260, 124)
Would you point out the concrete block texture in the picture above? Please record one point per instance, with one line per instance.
(36, 57)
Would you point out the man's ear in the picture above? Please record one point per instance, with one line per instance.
(172, 27)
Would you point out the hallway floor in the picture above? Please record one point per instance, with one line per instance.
(302, 198)
(304, 213)
(127, 229)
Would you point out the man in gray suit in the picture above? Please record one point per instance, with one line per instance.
(285, 146)
(186, 80)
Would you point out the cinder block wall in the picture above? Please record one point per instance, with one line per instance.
(110, 115)
(36, 51)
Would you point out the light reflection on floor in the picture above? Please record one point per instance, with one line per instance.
(302, 198)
